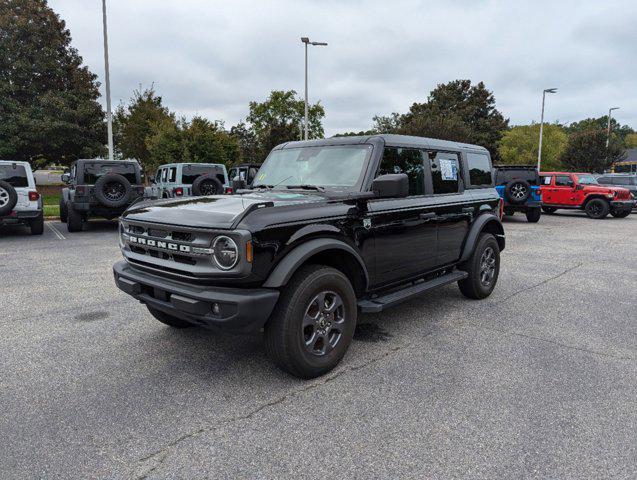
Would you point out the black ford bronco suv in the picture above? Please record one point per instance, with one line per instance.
(328, 228)
(99, 188)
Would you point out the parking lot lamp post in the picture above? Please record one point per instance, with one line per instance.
(307, 42)
(608, 129)
(109, 114)
(539, 150)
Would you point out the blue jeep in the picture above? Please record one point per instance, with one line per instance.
(519, 186)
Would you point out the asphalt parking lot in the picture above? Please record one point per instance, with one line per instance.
(537, 381)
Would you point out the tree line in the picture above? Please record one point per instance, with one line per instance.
(50, 114)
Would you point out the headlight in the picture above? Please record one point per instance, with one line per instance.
(225, 252)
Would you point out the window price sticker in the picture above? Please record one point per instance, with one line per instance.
(448, 169)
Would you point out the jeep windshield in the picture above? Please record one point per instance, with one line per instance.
(15, 175)
(93, 171)
(587, 179)
(314, 168)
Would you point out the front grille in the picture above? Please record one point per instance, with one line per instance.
(182, 236)
(155, 232)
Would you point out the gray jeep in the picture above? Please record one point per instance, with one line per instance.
(99, 188)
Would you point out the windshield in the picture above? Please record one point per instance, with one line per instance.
(329, 166)
(15, 175)
(587, 179)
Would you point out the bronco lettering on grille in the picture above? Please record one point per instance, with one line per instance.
(175, 247)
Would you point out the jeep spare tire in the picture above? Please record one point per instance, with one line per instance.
(8, 198)
(517, 191)
(207, 185)
(112, 190)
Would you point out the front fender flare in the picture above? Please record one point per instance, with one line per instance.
(296, 257)
(484, 221)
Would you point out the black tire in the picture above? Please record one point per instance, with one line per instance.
(517, 191)
(620, 214)
(549, 210)
(509, 212)
(8, 198)
(533, 214)
(316, 348)
(207, 185)
(112, 190)
(597, 208)
(479, 284)
(64, 211)
(169, 320)
(37, 225)
(74, 221)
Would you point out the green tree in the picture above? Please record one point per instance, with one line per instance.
(600, 123)
(586, 152)
(519, 145)
(247, 142)
(631, 140)
(48, 99)
(279, 119)
(134, 123)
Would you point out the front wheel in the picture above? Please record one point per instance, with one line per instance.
(597, 208)
(167, 319)
(313, 323)
(620, 214)
(533, 214)
(483, 268)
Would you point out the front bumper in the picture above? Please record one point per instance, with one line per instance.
(622, 205)
(240, 309)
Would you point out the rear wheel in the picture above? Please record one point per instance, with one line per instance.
(533, 214)
(597, 208)
(167, 319)
(620, 214)
(483, 268)
(313, 323)
(37, 225)
(74, 221)
(64, 213)
(549, 210)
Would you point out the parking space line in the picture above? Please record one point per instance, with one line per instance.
(56, 232)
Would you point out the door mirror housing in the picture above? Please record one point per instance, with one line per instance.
(391, 185)
(66, 177)
(579, 186)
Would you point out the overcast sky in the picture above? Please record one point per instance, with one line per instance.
(212, 57)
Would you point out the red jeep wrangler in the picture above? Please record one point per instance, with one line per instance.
(581, 191)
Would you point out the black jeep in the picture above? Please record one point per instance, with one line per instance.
(330, 228)
(99, 188)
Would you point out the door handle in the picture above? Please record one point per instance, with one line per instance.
(427, 216)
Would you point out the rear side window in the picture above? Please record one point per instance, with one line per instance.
(563, 181)
(445, 170)
(15, 175)
(479, 167)
(408, 161)
(93, 171)
(172, 174)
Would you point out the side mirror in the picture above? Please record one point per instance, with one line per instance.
(238, 184)
(65, 177)
(579, 186)
(392, 185)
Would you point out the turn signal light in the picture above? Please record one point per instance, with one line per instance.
(34, 196)
(501, 207)
(249, 251)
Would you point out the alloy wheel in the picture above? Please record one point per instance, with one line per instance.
(4, 197)
(487, 266)
(323, 323)
(114, 191)
(518, 191)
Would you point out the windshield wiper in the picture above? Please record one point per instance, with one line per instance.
(306, 187)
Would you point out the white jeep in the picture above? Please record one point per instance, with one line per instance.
(20, 203)
(176, 180)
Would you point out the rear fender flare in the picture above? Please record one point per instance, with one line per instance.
(485, 221)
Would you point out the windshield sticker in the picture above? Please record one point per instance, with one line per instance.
(448, 169)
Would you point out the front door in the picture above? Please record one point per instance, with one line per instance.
(404, 229)
(563, 191)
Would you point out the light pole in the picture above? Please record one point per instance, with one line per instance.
(109, 114)
(539, 150)
(608, 129)
(307, 42)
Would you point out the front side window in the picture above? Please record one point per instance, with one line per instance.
(479, 167)
(546, 179)
(93, 171)
(164, 174)
(563, 181)
(445, 170)
(15, 175)
(408, 161)
(172, 174)
(337, 166)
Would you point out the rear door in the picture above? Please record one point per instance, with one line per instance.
(547, 188)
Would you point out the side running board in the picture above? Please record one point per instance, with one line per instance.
(379, 304)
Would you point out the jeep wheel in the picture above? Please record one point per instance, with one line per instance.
(112, 190)
(37, 225)
(483, 268)
(74, 220)
(207, 185)
(620, 213)
(533, 214)
(597, 208)
(312, 325)
(549, 210)
(517, 191)
(64, 213)
(169, 320)
(8, 198)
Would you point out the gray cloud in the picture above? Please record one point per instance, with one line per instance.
(212, 58)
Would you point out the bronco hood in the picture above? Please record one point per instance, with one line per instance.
(215, 211)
